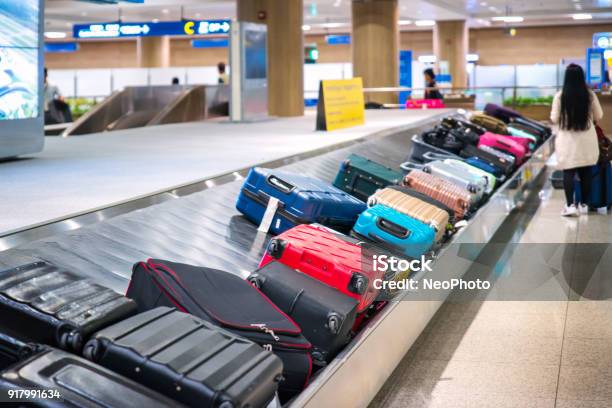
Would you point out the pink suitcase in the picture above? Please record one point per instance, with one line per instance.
(516, 146)
(425, 104)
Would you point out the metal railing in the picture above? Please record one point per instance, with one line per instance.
(511, 96)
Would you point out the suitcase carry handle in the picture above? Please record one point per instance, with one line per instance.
(280, 185)
(409, 166)
(392, 228)
(433, 156)
(504, 143)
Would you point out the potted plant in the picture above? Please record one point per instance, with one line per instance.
(537, 108)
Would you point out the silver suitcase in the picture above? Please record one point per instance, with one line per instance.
(476, 185)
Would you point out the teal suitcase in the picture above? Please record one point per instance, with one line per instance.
(361, 177)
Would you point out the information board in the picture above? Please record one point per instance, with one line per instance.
(341, 104)
(150, 29)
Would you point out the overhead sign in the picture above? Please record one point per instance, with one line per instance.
(341, 104)
(334, 39)
(61, 47)
(602, 40)
(210, 43)
(118, 30)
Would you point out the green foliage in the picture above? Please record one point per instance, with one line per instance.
(522, 101)
(80, 106)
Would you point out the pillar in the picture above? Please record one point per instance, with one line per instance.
(153, 52)
(285, 51)
(375, 45)
(451, 42)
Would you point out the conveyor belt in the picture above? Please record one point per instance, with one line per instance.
(202, 228)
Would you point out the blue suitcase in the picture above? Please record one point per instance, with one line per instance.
(483, 165)
(601, 187)
(395, 231)
(302, 200)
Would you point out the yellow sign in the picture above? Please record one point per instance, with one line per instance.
(189, 28)
(341, 104)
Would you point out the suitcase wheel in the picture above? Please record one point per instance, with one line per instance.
(358, 284)
(472, 189)
(334, 322)
(372, 201)
(255, 280)
(71, 340)
(226, 404)
(90, 351)
(276, 248)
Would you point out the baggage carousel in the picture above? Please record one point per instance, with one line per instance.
(198, 224)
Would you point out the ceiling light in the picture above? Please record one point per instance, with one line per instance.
(55, 34)
(425, 23)
(582, 16)
(405, 22)
(578, 7)
(306, 27)
(509, 19)
(165, 11)
(427, 59)
(332, 25)
(483, 4)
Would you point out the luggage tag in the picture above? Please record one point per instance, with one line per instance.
(268, 216)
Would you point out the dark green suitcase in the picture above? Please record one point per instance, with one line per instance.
(361, 177)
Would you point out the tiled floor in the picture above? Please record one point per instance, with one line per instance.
(516, 354)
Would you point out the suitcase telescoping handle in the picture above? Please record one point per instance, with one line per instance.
(433, 156)
(280, 184)
(409, 166)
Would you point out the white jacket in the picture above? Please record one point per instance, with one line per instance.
(576, 149)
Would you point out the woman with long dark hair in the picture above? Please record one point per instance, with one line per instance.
(574, 110)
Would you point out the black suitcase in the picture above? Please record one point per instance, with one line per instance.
(441, 138)
(188, 360)
(455, 123)
(504, 166)
(67, 380)
(466, 136)
(230, 302)
(325, 315)
(42, 303)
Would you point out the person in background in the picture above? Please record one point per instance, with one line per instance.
(430, 82)
(175, 81)
(574, 111)
(223, 78)
(52, 94)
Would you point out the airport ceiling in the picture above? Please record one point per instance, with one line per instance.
(334, 15)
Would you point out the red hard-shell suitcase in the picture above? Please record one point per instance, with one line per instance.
(329, 257)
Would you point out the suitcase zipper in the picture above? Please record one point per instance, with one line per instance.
(264, 328)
